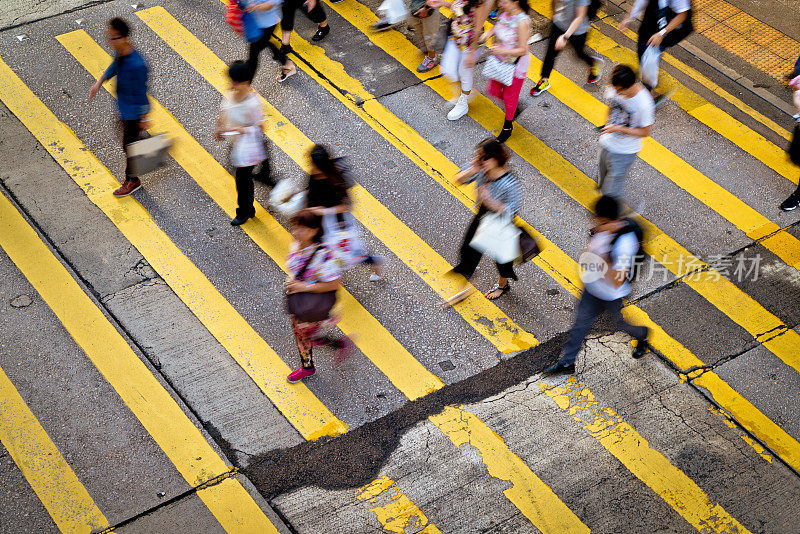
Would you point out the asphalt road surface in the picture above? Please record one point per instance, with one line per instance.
(144, 347)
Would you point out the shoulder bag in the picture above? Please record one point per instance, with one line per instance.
(310, 307)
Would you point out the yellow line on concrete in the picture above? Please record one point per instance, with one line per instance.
(529, 494)
(36, 456)
(298, 404)
(555, 262)
(761, 148)
(152, 405)
(630, 448)
(393, 509)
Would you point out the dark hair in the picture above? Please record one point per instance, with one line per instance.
(471, 5)
(326, 165)
(120, 26)
(623, 76)
(523, 4)
(240, 71)
(494, 149)
(310, 220)
(607, 207)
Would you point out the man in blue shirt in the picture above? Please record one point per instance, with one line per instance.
(131, 72)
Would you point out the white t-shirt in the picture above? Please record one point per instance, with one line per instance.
(637, 111)
(248, 148)
(624, 250)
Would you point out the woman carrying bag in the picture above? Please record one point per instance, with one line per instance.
(499, 197)
(314, 277)
(507, 66)
(327, 196)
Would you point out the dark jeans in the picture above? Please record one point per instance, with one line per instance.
(589, 309)
(244, 192)
(258, 46)
(290, 7)
(578, 42)
(796, 68)
(470, 257)
(130, 133)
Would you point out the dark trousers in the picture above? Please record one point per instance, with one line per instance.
(290, 7)
(578, 43)
(244, 192)
(258, 46)
(589, 309)
(130, 133)
(470, 257)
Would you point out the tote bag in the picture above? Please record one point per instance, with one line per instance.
(497, 237)
(500, 70)
(343, 238)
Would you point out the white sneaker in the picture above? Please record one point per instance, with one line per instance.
(461, 108)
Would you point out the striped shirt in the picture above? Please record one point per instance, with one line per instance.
(505, 189)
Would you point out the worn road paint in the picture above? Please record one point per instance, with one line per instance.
(761, 451)
(393, 509)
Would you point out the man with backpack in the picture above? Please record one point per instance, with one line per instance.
(613, 253)
(665, 23)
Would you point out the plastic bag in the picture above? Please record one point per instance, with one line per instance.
(649, 65)
(285, 198)
(343, 239)
(394, 11)
(497, 237)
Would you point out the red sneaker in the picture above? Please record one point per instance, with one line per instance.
(299, 374)
(127, 187)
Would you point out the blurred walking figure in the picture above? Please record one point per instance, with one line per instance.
(240, 118)
(510, 55)
(314, 277)
(131, 72)
(499, 192)
(793, 201)
(266, 14)
(605, 264)
(665, 23)
(570, 25)
(421, 18)
(460, 52)
(327, 197)
(630, 119)
(315, 13)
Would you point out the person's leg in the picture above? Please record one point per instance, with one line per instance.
(255, 50)
(468, 256)
(495, 89)
(579, 44)
(510, 97)
(506, 272)
(450, 61)
(430, 31)
(614, 308)
(304, 336)
(244, 192)
(130, 134)
(466, 74)
(589, 308)
(618, 166)
(550, 55)
(288, 11)
(317, 15)
(602, 168)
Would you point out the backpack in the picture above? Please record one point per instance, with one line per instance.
(632, 227)
(594, 7)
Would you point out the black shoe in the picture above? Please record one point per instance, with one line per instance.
(560, 368)
(238, 221)
(505, 133)
(321, 33)
(791, 203)
(381, 25)
(642, 346)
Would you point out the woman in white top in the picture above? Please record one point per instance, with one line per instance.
(241, 119)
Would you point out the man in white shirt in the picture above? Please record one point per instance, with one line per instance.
(604, 265)
(665, 23)
(631, 114)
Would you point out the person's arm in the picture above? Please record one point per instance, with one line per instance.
(436, 4)
(481, 14)
(110, 72)
(796, 100)
(467, 174)
(643, 131)
(637, 8)
(676, 21)
(580, 14)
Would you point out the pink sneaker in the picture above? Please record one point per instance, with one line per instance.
(299, 374)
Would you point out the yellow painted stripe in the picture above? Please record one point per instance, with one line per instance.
(721, 293)
(629, 447)
(554, 261)
(36, 456)
(393, 509)
(160, 415)
(771, 155)
(529, 494)
(297, 403)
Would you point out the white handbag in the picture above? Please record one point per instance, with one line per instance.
(285, 198)
(148, 154)
(499, 70)
(649, 65)
(497, 237)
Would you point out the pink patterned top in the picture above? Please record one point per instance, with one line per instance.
(505, 31)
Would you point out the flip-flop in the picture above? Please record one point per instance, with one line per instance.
(283, 76)
(503, 290)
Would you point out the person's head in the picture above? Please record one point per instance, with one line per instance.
(307, 227)
(491, 153)
(606, 210)
(510, 6)
(119, 34)
(241, 75)
(623, 79)
(323, 167)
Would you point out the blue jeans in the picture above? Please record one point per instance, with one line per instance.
(589, 309)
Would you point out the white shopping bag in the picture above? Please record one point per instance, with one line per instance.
(343, 238)
(285, 198)
(497, 237)
(393, 10)
(649, 65)
(148, 154)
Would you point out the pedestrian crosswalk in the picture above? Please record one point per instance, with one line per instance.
(186, 447)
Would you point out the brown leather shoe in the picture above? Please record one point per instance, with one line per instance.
(127, 187)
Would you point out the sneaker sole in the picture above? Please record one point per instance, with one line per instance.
(790, 209)
(128, 194)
